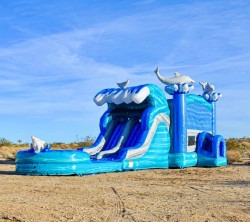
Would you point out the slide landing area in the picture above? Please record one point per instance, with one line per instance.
(125, 145)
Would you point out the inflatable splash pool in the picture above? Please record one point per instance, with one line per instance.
(141, 129)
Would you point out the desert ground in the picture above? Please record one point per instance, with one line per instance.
(192, 194)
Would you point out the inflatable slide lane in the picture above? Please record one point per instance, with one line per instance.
(134, 134)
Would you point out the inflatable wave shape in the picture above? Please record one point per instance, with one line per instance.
(118, 96)
(213, 97)
(179, 88)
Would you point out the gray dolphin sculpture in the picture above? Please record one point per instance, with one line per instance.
(37, 144)
(207, 87)
(177, 79)
(123, 85)
(209, 93)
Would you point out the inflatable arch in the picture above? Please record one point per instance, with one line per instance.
(140, 129)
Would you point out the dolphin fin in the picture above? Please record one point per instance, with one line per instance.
(123, 85)
(157, 71)
(203, 84)
(176, 74)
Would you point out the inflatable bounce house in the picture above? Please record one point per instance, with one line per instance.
(141, 129)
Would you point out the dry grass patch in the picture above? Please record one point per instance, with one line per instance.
(7, 152)
(237, 149)
(233, 156)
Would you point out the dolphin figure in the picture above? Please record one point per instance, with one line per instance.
(177, 79)
(123, 85)
(207, 88)
(208, 92)
(37, 144)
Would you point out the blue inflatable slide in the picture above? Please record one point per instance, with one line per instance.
(141, 129)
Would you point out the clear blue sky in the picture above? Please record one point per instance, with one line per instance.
(56, 55)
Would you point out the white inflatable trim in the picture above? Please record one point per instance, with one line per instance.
(122, 96)
(191, 132)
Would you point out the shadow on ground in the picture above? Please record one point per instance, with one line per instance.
(7, 172)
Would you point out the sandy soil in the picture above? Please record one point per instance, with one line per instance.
(193, 194)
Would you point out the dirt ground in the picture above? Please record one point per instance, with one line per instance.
(192, 194)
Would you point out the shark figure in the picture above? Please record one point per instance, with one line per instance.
(177, 79)
(123, 85)
(37, 144)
